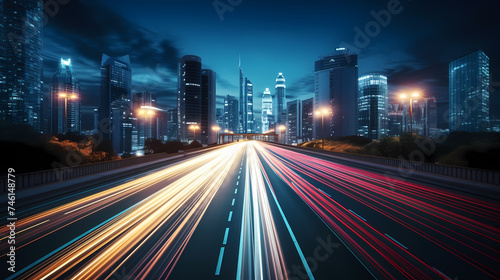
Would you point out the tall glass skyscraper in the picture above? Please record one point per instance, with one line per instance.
(280, 100)
(248, 113)
(469, 78)
(307, 119)
(246, 116)
(189, 96)
(231, 110)
(208, 95)
(21, 61)
(196, 101)
(242, 101)
(294, 122)
(267, 109)
(372, 106)
(115, 101)
(65, 99)
(336, 88)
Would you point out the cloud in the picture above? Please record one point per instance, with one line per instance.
(85, 31)
(302, 88)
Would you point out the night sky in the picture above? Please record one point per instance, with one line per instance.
(413, 49)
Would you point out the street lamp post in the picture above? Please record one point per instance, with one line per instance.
(282, 128)
(65, 96)
(404, 97)
(216, 128)
(148, 120)
(194, 128)
(322, 112)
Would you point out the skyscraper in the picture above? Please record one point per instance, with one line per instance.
(196, 101)
(231, 117)
(219, 118)
(115, 101)
(425, 116)
(208, 95)
(372, 106)
(469, 78)
(336, 88)
(65, 99)
(280, 99)
(294, 122)
(246, 116)
(189, 97)
(267, 109)
(242, 101)
(248, 124)
(307, 119)
(395, 119)
(21, 62)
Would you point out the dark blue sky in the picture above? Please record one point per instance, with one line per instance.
(413, 49)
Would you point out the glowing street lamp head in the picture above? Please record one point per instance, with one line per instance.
(281, 127)
(415, 94)
(151, 112)
(74, 96)
(66, 62)
(403, 96)
(63, 95)
(322, 111)
(215, 128)
(140, 112)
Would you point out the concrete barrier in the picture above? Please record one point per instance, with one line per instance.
(27, 180)
(466, 173)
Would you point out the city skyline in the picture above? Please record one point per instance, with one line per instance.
(233, 139)
(407, 65)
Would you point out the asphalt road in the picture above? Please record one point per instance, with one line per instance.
(251, 210)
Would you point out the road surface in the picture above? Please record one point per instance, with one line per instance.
(252, 210)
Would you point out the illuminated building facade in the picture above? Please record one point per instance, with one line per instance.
(469, 81)
(336, 89)
(267, 109)
(21, 62)
(372, 106)
(65, 100)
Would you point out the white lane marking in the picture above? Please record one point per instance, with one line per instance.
(441, 273)
(219, 262)
(230, 216)
(225, 236)
(357, 215)
(232, 203)
(396, 241)
(324, 192)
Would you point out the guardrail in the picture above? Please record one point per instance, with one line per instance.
(27, 180)
(405, 166)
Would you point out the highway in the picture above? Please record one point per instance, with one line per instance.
(252, 210)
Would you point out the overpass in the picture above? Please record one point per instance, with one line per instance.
(231, 137)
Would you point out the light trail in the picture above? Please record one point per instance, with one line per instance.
(166, 219)
(410, 205)
(260, 254)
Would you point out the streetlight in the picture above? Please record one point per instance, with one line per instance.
(216, 128)
(282, 128)
(66, 96)
(322, 112)
(404, 96)
(194, 128)
(148, 116)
